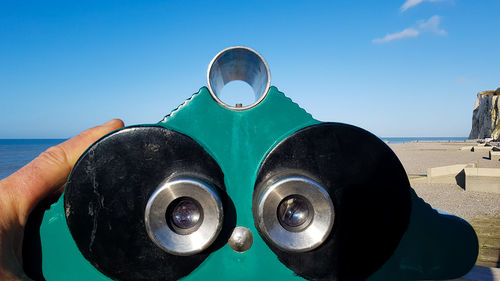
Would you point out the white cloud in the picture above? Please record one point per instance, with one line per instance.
(409, 32)
(430, 25)
(412, 3)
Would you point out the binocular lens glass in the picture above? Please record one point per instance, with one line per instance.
(294, 212)
(186, 213)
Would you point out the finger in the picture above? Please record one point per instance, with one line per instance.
(49, 171)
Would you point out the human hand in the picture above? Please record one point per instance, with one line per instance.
(23, 190)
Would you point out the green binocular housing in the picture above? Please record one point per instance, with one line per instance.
(245, 192)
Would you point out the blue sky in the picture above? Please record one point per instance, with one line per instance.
(396, 68)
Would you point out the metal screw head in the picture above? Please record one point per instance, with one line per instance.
(241, 239)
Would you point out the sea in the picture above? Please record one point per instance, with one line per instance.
(15, 153)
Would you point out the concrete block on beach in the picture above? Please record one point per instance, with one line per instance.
(446, 174)
(482, 148)
(494, 155)
(482, 179)
(467, 148)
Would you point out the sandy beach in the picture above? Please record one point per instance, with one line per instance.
(481, 209)
(416, 157)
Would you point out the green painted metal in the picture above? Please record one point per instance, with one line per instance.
(239, 141)
(436, 246)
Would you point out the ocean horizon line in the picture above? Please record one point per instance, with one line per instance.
(392, 140)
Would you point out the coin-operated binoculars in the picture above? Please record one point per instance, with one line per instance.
(262, 191)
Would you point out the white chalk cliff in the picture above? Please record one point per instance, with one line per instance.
(486, 116)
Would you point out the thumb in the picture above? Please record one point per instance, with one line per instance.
(49, 171)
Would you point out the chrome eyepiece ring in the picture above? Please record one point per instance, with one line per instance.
(238, 63)
(183, 216)
(294, 213)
